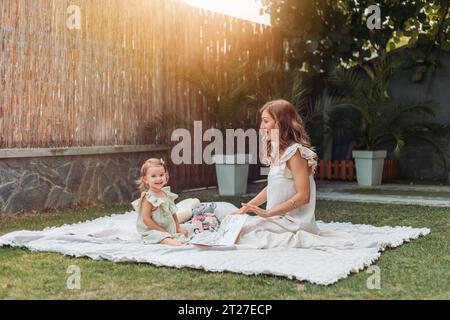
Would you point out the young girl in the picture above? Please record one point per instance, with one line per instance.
(157, 220)
(289, 218)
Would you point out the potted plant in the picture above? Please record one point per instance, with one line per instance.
(380, 121)
(231, 106)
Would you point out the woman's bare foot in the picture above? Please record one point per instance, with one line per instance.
(173, 242)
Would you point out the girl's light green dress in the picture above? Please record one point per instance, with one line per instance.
(162, 215)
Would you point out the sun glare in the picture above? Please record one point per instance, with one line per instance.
(244, 9)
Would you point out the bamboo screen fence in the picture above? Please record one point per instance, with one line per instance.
(100, 84)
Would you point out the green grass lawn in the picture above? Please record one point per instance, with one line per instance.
(416, 270)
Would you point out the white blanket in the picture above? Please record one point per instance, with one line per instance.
(115, 238)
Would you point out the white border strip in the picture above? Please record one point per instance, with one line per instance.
(77, 151)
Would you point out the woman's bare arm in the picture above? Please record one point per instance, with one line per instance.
(147, 209)
(260, 198)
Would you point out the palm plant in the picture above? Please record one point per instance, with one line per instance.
(381, 119)
(229, 97)
(274, 82)
(161, 126)
(231, 104)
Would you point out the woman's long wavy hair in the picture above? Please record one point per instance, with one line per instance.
(152, 162)
(290, 125)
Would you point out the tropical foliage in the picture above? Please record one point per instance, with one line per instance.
(323, 34)
(382, 120)
(230, 97)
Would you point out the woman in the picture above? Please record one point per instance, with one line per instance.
(288, 220)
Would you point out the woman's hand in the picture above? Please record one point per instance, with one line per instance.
(260, 212)
(242, 210)
(183, 231)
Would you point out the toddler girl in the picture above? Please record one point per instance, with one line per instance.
(157, 220)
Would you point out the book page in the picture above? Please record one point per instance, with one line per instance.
(226, 235)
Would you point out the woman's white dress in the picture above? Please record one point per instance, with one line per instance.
(298, 227)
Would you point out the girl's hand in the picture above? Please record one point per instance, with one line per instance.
(183, 231)
(260, 212)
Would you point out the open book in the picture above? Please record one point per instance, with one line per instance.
(227, 234)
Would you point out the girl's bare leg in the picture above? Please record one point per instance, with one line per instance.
(172, 242)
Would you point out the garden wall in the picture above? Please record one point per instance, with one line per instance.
(38, 182)
(95, 73)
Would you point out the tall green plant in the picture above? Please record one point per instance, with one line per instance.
(230, 96)
(275, 82)
(161, 126)
(381, 119)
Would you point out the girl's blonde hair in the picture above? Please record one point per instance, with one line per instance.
(290, 125)
(152, 162)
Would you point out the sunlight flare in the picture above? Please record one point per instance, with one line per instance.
(244, 9)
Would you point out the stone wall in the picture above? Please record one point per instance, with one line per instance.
(41, 183)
